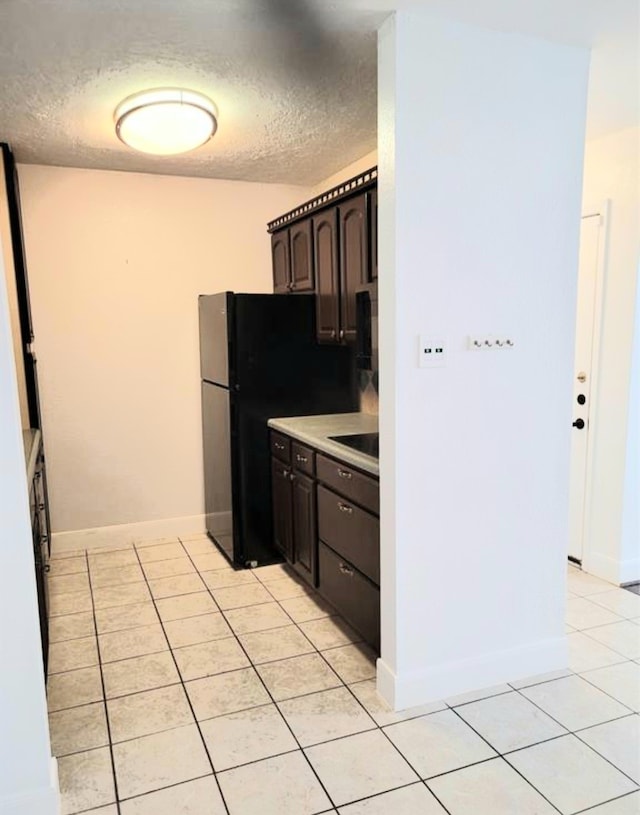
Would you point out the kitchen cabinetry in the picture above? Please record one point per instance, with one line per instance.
(354, 261)
(17, 284)
(326, 522)
(373, 233)
(325, 235)
(329, 246)
(294, 504)
(40, 526)
(292, 258)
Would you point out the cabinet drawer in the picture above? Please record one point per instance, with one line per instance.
(303, 458)
(281, 447)
(351, 594)
(350, 531)
(349, 482)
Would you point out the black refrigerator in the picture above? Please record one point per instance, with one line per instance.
(259, 359)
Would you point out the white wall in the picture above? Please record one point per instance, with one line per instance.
(116, 262)
(481, 139)
(612, 171)
(28, 783)
(355, 168)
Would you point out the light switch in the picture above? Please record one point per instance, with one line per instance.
(432, 351)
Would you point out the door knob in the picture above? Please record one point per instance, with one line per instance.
(579, 423)
(581, 398)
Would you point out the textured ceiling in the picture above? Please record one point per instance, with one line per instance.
(284, 117)
(66, 64)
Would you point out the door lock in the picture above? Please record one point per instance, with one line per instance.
(582, 377)
(579, 423)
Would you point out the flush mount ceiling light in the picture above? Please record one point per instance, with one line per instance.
(166, 121)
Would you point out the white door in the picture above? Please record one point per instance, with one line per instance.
(590, 236)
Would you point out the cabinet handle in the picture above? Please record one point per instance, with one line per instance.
(342, 333)
(286, 473)
(292, 477)
(301, 459)
(346, 570)
(47, 568)
(333, 333)
(345, 474)
(278, 446)
(345, 508)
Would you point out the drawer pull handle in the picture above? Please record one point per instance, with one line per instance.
(345, 508)
(301, 459)
(278, 446)
(346, 570)
(345, 474)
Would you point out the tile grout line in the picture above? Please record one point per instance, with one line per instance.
(611, 800)
(503, 756)
(273, 701)
(574, 733)
(184, 690)
(345, 684)
(104, 695)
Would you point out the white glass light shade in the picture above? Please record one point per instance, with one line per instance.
(166, 122)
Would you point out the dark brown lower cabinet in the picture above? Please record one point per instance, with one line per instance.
(281, 492)
(355, 597)
(327, 527)
(304, 527)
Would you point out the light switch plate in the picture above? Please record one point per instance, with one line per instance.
(432, 351)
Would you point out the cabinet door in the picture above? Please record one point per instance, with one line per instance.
(281, 261)
(304, 527)
(373, 233)
(301, 243)
(354, 261)
(325, 240)
(282, 509)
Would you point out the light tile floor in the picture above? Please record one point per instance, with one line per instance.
(180, 687)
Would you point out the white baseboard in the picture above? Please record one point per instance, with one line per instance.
(38, 802)
(612, 570)
(127, 533)
(439, 682)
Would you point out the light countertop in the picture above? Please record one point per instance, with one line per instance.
(316, 430)
(31, 441)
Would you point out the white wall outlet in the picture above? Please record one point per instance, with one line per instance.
(432, 351)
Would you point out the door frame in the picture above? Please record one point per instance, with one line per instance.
(603, 211)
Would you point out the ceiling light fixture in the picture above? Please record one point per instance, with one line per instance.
(166, 121)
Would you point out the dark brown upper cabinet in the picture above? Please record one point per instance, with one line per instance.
(329, 246)
(280, 261)
(302, 278)
(292, 257)
(373, 233)
(325, 240)
(354, 261)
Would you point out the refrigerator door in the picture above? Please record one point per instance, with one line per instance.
(218, 474)
(215, 336)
